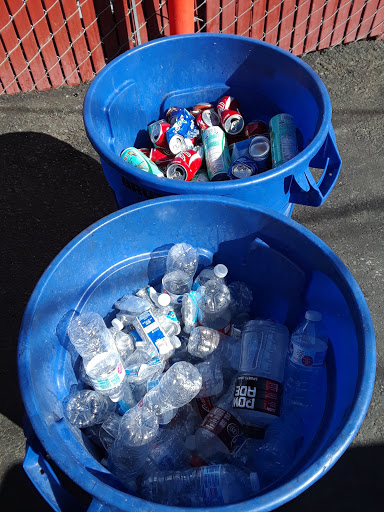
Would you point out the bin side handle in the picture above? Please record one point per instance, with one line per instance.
(43, 477)
(304, 189)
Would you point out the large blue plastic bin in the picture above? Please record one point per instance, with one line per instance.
(289, 268)
(138, 87)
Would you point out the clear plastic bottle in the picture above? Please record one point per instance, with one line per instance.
(273, 456)
(124, 342)
(109, 430)
(176, 284)
(205, 342)
(142, 366)
(200, 487)
(212, 379)
(178, 386)
(305, 369)
(167, 317)
(185, 422)
(219, 271)
(213, 301)
(241, 300)
(258, 388)
(183, 257)
(94, 342)
(138, 428)
(132, 305)
(86, 408)
(219, 434)
(167, 451)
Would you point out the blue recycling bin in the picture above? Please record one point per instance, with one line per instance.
(289, 269)
(139, 86)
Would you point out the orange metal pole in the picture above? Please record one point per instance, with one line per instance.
(181, 16)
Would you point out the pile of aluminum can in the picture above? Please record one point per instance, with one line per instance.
(207, 143)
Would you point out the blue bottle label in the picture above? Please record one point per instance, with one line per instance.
(153, 331)
(114, 379)
(210, 481)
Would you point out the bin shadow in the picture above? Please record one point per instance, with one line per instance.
(50, 193)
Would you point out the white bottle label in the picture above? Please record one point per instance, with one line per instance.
(111, 381)
(210, 481)
(308, 357)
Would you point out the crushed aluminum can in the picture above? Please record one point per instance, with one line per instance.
(184, 166)
(157, 133)
(243, 167)
(208, 118)
(231, 120)
(197, 109)
(136, 158)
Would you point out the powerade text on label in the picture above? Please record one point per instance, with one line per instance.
(225, 426)
(257, 394)
(210, 481)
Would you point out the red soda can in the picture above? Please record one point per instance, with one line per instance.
(146, 151)
(256, 128)
(161, 156)
(228, 103)
(184, 166)
(230, 117)
(157, 131)
(197, 109)
(207, 118)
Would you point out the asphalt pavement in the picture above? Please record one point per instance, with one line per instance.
(53, 188)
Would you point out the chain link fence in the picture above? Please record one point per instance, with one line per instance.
(48, 43)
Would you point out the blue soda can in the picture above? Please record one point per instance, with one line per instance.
(283, 139)
(184, 126)
(243, 167)
(136, 158)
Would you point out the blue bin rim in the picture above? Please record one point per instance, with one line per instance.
(224, 187)
(265, 502)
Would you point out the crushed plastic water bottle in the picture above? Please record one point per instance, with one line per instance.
(86, 408)
(168, 451)
(94, 342)
(212, 379)
(182, 257)
(179, 385)
(109, 430)
(213, 301)
(305, 369)
(200, 487)
(124, 342)
(176, 284)
(205, 342)
(138, 427)
(148, 326)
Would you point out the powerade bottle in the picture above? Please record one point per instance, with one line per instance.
(257, 393)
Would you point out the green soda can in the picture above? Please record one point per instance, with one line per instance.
(136, 158)
(216, 151)
(282, 129)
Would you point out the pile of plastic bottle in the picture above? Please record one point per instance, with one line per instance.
(191, 401)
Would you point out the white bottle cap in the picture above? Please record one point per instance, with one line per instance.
(164, 300)
(117, 324)
(255, 482)
(315, 316)
(220, 270)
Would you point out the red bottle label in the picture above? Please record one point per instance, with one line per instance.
(225, 426)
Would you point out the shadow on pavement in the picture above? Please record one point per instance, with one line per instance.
(50, 193)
